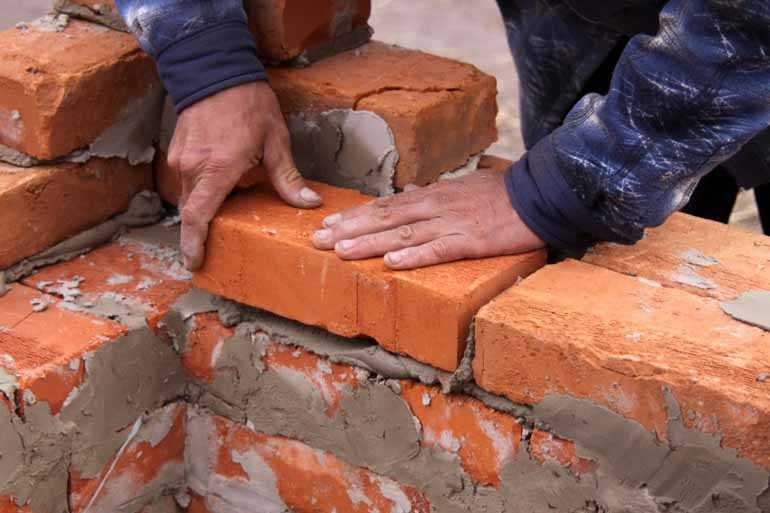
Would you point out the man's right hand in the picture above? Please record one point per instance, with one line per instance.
(216, 141)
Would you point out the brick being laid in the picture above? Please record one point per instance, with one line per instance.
(49, 77)
(42, 206)
(260, 253)
(696, 255)
(653, 354)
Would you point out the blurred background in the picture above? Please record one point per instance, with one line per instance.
(468, 31)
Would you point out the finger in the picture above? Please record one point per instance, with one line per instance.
(285, 177)
(411, 187)
(396, 200)
(405, 236)
(199, 209)
(377, 218)
(438, 251)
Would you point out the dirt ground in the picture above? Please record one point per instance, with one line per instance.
(468, 31)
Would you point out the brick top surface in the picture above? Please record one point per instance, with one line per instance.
(589, 332)
(699, 256)
(260, 253)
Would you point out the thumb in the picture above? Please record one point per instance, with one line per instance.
(285, 176)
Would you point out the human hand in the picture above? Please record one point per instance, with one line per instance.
(469, 217)
(216, 141)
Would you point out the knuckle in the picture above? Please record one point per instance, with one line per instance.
(406, 233)
(383, 213)
(441, 249)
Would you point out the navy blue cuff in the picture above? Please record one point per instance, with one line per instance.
(207, 62)
(549, 206)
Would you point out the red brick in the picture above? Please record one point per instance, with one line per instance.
(44, 351)
(618, 342)
(545, 447)
(60, 90)
(666, 255)
(308, 480)
(484, 439)
(7, 505)
(127, 269)
(284, 29)
(45, 205)
(260, 253)
(204, 342)
(141, 464)
(440, 111)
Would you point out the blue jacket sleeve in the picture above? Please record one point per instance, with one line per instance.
(201, 47)
(680, 103)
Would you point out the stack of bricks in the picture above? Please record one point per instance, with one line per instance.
(279, 378)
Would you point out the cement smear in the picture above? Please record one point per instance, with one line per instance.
(752, 307)
(102, 13)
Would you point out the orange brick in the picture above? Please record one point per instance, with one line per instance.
(41, 207)
(419, 96)
(204, 342)
(545, 447)
(7, 505)
(260, 253)
(44, 351)
(127, 270)
(619, 342)
(308, 480)
(142, 463)
(49, 82)
(284, 29)
(702, 257)
(484, 439)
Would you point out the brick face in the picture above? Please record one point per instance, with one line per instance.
(699, 256)
(45, 205)
(260, 253)
(284, 29)
(417, 94)
(48, 82)
(619, 342)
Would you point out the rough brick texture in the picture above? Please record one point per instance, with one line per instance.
(260, 253)
(419, 95)
(702, 257)
(48, 82)
(279, 473)
(45, 205)
(622, 342)
(285, 29)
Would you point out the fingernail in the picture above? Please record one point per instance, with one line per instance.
(309, 195)
(322, 235)
(332, 220)
(345, 245)
(395, 257)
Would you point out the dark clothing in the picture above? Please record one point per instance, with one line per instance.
(689, 90)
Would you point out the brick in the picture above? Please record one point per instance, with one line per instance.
(441, 111)
(204, 342)
(702, 257)
(545, 447)
(7, 505)
(127, 272)
(484, 439)
(286, 29)
(44, 351)
(302, 479)
(260, 253)
(619, 342)
(150, 463)
(45, 205)
(49, 80)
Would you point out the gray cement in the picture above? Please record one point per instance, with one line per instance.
(752, 307)
(100, 13)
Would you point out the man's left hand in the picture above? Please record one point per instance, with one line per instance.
(469, 217)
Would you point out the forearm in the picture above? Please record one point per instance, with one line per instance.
(681, 103)
(200, 47)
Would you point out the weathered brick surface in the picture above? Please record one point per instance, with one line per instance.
(702, 257)
(545, 447)
(45, 205)
(484, 439)
(260, 253)
(286, 473)
(48, 82)
(285, 29)
(583, 331)
(419, 96)
(152, 463)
